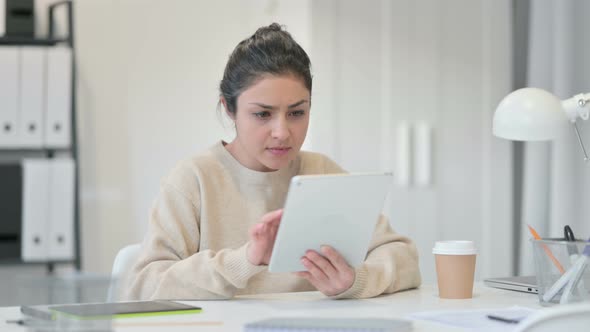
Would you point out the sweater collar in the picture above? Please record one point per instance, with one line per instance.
(252, 176)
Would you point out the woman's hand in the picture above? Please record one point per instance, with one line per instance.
(329, 273)
(262, 238)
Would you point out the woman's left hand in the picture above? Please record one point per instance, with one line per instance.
(329, 273)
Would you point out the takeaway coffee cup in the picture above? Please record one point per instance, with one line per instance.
(455, 268)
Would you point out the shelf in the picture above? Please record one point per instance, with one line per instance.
(20, 150)
(18, 261)
(10, 155)
(20, 41)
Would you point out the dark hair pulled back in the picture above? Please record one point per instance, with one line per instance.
(269, 51)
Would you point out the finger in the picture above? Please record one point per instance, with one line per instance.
(256, 230)
(274, 229)
(268, 233)
(272, 216)
(275, 223)
(335, 258)
(271, 229)
(260, 232)
(345, 273)
(321, 285)
(314, 270)
(322, 263)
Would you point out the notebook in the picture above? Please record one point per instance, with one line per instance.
(527, 284)
(109, 310)
(304, 324)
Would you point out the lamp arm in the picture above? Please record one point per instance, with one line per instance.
(586, 158)
(576, 107)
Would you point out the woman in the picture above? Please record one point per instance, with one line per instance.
(211, 233)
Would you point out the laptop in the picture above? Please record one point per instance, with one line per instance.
(526, 284)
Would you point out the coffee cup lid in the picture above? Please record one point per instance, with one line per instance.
(454, 248)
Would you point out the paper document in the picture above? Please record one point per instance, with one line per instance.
(476, 319)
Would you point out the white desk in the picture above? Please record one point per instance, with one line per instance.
(231, 315)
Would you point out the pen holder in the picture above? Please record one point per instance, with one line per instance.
(563, 274)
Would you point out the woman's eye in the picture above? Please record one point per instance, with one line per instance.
(262, 115)
(297, 113)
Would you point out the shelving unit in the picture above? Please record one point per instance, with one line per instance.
(50, 152)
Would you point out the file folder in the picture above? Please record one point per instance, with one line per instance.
(61, 209)
(59, 97)
(9, 64)
(35, 179)
(2, 18)
(31, 96)
(11, 207)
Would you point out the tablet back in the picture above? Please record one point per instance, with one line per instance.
(340, 210)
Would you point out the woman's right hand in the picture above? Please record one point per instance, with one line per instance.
(262, 238)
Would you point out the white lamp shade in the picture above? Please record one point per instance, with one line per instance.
(529, 114)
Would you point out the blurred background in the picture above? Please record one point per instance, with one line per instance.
(408, 86)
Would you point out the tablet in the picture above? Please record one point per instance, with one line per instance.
(109, 309)
(339, 210)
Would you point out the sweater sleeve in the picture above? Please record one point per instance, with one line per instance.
(391, 265)
(170, 265)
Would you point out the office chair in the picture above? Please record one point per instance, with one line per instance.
(124, 260)
(570, 317)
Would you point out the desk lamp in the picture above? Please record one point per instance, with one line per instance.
(532, 114)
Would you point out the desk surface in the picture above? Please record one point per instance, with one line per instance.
(231, 315)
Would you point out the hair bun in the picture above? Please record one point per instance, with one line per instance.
(274, 27)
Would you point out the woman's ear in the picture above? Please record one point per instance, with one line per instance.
(229, 114)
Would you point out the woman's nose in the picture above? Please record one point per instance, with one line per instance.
(280, 129)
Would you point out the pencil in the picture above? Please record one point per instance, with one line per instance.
(547, 250)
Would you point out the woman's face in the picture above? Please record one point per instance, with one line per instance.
(271, 121)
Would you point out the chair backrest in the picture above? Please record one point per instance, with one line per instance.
(124, 260)
(571, 317)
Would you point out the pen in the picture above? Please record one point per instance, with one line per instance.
(547, 250)
(504, 320)
(572, 249)
(563, 280)
(568, 233)
(575, 280)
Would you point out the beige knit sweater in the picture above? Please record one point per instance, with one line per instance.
(195, 247)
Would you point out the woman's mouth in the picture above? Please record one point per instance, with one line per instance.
(279, 151)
